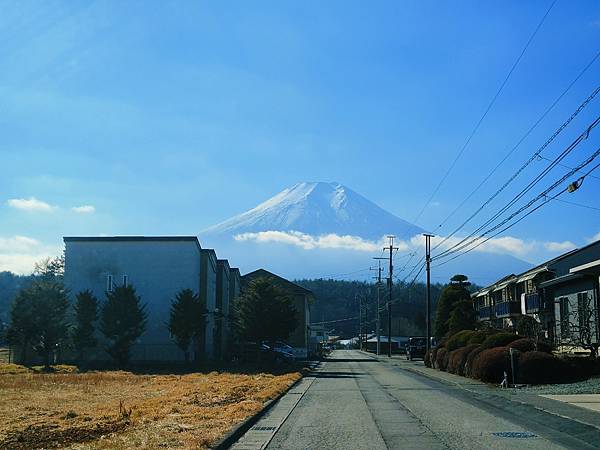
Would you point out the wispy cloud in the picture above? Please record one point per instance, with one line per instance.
(530, 250)
(84, 209)
(30, 204)
(18, 254)
(308, 242)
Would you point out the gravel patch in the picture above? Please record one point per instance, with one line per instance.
(591, 386)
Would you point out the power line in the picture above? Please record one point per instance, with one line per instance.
(564, 165)
(525, 136)
(577, 204)
(487, 110)
(535, 155)
(524, 191)
(543, 195)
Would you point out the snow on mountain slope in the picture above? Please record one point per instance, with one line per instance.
(318, 208)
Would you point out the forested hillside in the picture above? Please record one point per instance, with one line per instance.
(337, 300)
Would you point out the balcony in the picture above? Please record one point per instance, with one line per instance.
(507, 309)
(485, 313)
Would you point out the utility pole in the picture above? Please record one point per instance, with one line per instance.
(356, 297)
(391, 248)
(377, 324)
(428, 310)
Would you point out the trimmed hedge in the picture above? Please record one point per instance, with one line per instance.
(542, 368)
(441, 359)
(499, 340)
(427, 360)
(523, 345)
(470, 358)
(459, 339)
(490, 365)
(458, 359)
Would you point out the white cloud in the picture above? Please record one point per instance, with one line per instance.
(529, 250)
(308, 242)
(18, 254)
(83, 209)
(594, 238)
(30, 204)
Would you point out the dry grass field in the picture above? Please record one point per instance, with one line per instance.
(119, 410)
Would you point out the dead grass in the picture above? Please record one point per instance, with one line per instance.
(102, 410)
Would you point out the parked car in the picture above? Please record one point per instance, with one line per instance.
(416, 348)
(280, 351)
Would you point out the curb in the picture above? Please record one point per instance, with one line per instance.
(232, 436)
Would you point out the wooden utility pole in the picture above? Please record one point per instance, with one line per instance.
(377, 324)
(428, 308)
(391, 248)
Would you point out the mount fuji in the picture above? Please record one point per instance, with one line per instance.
(318, 230)
(316, 209)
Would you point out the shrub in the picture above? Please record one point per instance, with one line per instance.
(458, 359)
(585, 367)
(490, 365)
(499, 340)
(542, 368)
(523, 345)
(470, 358)
(545, 347)
(481, 335)
(427, 358)
(441, 359)
(459, 339)
(434, 357)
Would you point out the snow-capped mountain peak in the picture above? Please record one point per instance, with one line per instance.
(318, 208)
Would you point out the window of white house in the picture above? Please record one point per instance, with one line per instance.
(583, 313)
(109, 283)
(124, 280)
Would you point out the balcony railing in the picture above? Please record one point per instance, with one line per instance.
(533, 302)
(485, 313)
(506, 309)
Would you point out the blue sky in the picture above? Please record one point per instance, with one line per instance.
(167, 117)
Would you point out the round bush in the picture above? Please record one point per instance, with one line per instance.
(470, 358)
(544, 347)
(499, 340)
(459, 359)
(434, 357)
(452, 361)
(427, 360)
(523, 345)
(459, 339)
(490, 365)
(542, 368)
(441, 359)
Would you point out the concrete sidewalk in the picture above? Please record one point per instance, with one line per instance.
(584, 408)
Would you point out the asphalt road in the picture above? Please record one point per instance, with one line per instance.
(356, 402)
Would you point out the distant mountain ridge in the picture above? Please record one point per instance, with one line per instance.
(318, 208)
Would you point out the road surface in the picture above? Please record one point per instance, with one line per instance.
(356, 402)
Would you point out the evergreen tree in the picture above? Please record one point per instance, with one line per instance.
(186, 321)
(86, 313)
(452, 294)
(462, 317)
(122, 321)
(38, 318)
(265, 312)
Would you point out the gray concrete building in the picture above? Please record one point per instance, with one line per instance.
(158, 268)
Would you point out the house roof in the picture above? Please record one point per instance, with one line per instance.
(560, 280)
(592, 267)
(530, 275)
(265, 273)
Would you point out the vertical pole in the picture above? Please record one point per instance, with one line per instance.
(428, 308)
(378, 312)
(390, 284)
(359, 322)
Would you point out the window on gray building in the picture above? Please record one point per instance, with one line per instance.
(124, 280)
(109, 283)
(582, 310)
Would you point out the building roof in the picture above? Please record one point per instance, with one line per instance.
(265, 273)
(531, 274)
(592, 267)
(560, 280)
(133, 239)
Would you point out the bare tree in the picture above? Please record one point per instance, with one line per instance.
(580, 326)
